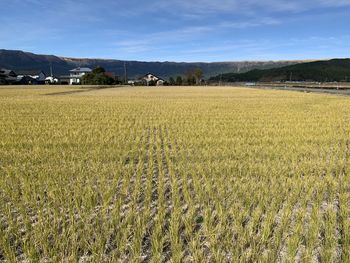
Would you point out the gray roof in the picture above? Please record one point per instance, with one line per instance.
(81, 70)
(6, 72)
(158, 78)
(30, 72)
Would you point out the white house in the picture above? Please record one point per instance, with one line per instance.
(51, 80)
(76, 75)
(149, 78)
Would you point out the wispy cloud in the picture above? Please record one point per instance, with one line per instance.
(335, 3)
(178, 29)
(193, 8)
(148, 42)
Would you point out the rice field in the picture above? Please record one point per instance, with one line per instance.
(181, 174)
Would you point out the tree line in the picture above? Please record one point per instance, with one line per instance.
(99, 77)
(319, 71)
(191, 77)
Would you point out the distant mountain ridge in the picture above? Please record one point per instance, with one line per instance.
(23, 62)
(321, 71)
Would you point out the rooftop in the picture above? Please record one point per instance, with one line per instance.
(7, 72)
(81, 70)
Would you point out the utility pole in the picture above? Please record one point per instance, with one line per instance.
(125, 73)
(291, 76)
(51, 70)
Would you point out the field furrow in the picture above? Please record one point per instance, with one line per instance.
(206, 174)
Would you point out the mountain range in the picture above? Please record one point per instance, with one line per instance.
(26, 62)
(320, 71)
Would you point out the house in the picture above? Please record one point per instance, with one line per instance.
(7, 76)
(29, 76)
(26, 80)
(39, 76)
(64, 80)
(77, 74)
(152, 80)
(51, 80)
(137, 82)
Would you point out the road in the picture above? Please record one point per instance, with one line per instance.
(335, 91)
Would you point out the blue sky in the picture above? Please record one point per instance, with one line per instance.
(178, 30)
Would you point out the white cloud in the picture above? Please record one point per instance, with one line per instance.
(193, 7)
(166, 39)
(335, 3)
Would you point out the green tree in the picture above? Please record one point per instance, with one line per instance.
(190, 77)
(97, 77)
(198, 73)
(178, 81)
(152, 83)
(171, 81)
(98, 70)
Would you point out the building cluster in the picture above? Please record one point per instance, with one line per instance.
(9, 77)
(36, 78)
(148, 80)
(25, 78)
